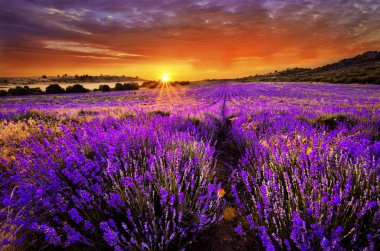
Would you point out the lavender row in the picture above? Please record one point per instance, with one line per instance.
(125, 184)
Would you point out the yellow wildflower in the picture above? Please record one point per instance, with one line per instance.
(308, 151)
(221, 192)
(229, 213)
(331, 151)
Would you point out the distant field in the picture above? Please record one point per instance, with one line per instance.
(211, 166)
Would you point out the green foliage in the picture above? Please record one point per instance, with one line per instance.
(18, 91)
(195, 121)
(127, 115)
(150, 84)
(35, 91)
(54, 89)
(34, 114)
(126, 86)
(26, 90)
(77, 88)
(183, 83)
(104, 88)
(331, 121)
(160, 112)
(87, 112)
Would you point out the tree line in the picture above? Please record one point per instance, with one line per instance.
(57, 89)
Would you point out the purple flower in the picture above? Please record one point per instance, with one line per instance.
(336, 199)
(265, 239)
(250, 221)
(239, 230)
(39, 192)
(325, 244)
(74, 214)
(115, 200)
(164, 196)
(111, 237)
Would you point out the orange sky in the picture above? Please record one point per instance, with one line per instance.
(186, 39)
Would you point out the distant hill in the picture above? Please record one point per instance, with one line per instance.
(364, 68)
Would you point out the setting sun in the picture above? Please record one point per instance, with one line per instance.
(165, 77)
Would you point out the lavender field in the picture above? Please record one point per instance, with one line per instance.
(218, 166)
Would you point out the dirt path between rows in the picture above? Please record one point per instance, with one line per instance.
(222, 237)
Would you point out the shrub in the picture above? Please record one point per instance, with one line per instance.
(131, 86)
(119, 87)
(104, 88)
(113, 185)
(35, 91)
(126, 86)
(3, 93)
(331, 121)
(150, 84)
(18, 91)
(160, 112)
(54, 89)
(77, 88)
(308, 190)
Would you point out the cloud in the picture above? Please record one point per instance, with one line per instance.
(215, 34)
(73, 14)
(86, 48)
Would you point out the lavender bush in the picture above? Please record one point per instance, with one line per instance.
(112, 183)
(301, 186)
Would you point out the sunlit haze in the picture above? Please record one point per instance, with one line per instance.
(189, 39)
(165, 77)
